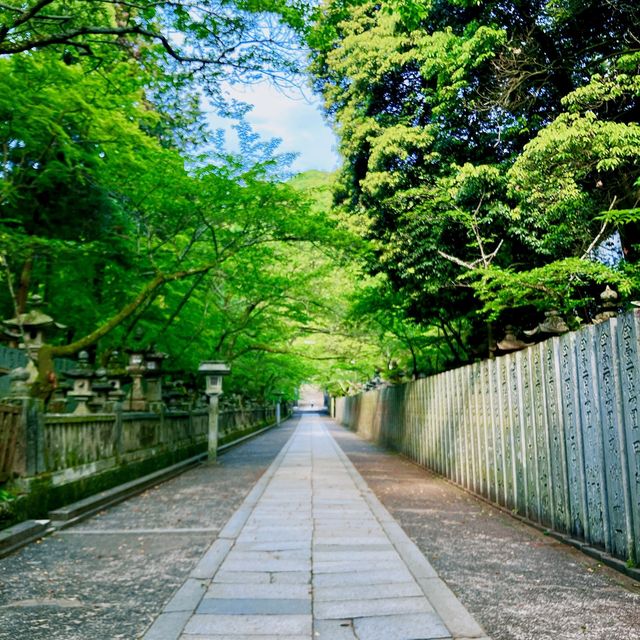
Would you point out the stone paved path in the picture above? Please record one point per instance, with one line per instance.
(312, 553)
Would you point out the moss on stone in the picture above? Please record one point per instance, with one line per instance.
(43, 496)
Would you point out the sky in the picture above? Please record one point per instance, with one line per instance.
(293, 117)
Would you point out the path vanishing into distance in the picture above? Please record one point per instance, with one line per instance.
(308, 532)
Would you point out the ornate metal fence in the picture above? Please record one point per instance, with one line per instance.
(551, 432)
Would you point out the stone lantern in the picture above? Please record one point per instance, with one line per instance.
(136, 369)
(510, 342)
(608, 306)
(552, 325)
(279, 395)
(29, 330)
(115, 374)
(101, 388)
(81, 376)
(214, 373)
(153, 378)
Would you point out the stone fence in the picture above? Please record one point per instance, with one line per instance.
(551, 432)
(232, 422)
(50, 459)
(73, 447)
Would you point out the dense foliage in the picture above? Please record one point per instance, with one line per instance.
(124, 212)
(489, 148)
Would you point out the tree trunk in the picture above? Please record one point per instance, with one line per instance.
(22, 294)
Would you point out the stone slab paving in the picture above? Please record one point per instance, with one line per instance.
(517, 582)
(312, 553)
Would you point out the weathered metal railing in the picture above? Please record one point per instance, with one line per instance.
(551, 432)
(9, 422)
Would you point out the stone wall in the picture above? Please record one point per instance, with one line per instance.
(551, 432)
(79, 446)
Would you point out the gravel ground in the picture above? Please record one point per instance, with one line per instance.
(108, 577)
(517, 582)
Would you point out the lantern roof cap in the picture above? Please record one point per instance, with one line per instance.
(211, 367)
(33, 318)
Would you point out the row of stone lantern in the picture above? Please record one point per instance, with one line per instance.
(101, 390)
(87, 390)
(555, 325)
(84, 390)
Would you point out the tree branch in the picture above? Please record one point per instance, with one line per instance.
(161, 279)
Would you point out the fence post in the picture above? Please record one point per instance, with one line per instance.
(33, 411)
(213, 427)
(119, 428)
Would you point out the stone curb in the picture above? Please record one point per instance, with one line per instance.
(21, 534)
(13, 538)
(176, 613)
(81, 509)
(451, 611)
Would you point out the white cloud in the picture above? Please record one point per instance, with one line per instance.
(294, 118)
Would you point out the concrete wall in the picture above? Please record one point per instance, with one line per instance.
(551, 432)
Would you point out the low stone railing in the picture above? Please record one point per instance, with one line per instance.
(79, 446)
(54, 459)
(234, 422)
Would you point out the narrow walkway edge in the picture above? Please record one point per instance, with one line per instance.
(312, 553)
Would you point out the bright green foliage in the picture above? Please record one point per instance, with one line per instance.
(483, 142)
(213, 39)
(566, 285)
(118, 226)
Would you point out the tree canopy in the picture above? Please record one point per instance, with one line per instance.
(490, 149)
(483, 143)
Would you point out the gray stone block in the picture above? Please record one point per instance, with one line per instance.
(365, 592)
(365, 608)
(234, 625)
(333, 630)
(255, 606)
(187, 597)
(361, 578)
(449, 608)
(167, 626)
(423, 626)
(236, 591)
(212, 559)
